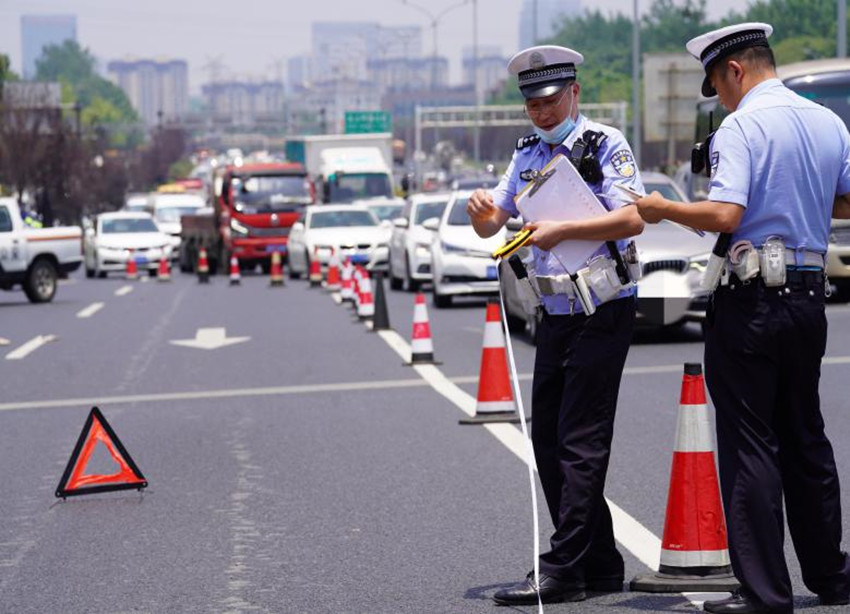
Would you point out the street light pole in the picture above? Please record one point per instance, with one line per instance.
(636, 127)
(841, 52)
(476, 131)
(435, 21)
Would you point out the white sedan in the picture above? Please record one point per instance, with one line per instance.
(410, 243)
(349, 230)
(116, 237)
(461, 261)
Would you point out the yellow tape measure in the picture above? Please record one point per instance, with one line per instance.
(513, 244)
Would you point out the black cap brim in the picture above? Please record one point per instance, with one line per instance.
(542, 90)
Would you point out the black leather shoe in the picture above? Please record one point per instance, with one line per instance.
(552, 590)
(736, 604)
(834, 599)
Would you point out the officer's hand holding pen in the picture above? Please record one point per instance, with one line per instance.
(652, 208)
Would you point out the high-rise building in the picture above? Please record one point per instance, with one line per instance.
(492, 69)
(245, 103)
(549, 16)
(157, 89)
(40, 31)
(299, 72)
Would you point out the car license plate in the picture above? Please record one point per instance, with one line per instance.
(141, 259)
(491, 272)
(275, 248)
(358, 258)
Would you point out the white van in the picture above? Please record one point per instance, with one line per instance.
(168, 208)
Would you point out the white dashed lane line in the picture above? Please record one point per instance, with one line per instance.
(123, 290)
(29, 347)
(90, 310)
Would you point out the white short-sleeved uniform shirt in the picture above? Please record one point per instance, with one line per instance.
(618, 166)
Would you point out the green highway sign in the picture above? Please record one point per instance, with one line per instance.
(359, 122)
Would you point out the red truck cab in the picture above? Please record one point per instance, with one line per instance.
(256, 205)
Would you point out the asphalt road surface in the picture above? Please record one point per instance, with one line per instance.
(295, 464)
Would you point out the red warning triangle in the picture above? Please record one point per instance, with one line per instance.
(75, 481)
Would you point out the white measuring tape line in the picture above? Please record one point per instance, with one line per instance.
(529, 450)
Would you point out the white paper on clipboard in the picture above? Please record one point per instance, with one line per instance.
(563, 196)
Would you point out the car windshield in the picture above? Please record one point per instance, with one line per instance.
(426, 211)
(386, 212)
(667, 190)
(342, 219)
(270, 193)
(346, 187)
(173, 214)
(128, 224)
(458, 215)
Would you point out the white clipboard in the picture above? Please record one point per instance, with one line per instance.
(557, 194)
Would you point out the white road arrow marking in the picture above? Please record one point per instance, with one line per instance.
(123, 290)
(209, 339)
(90, 310)
(30, 346)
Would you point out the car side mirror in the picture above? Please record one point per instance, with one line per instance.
(432, 223)
(400, 222)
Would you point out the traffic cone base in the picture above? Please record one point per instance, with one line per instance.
(694, 550)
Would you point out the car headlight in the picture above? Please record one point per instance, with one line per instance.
(238, 228)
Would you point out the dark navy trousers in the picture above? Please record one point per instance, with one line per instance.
(577, 373)
(763, 352)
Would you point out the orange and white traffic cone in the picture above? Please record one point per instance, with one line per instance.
(132, 271)
(694, 549)
(163, 273)
(315, 270)
(203, 267)
(495, 396)
(366, 306)
(347, 291)
(235, 272)
(276, 275)
(421, 346)
(334, 283)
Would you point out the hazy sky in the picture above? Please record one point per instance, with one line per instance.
(250, 35)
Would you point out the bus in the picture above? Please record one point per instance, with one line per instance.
(826, 82)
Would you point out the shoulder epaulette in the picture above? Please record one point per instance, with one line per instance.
(527, 141)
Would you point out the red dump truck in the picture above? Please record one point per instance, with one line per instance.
(253, 207)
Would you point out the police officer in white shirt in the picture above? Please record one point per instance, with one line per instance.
(580, 357)
(779, 167)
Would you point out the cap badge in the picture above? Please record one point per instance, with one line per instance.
(536, 60)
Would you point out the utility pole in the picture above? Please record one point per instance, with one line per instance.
(476, 136)
(533, 22)
(842, 29)
(636, 127)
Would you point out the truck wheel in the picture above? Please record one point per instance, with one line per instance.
(89, 273)
(40, 282)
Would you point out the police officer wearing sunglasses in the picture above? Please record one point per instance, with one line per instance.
(779, 167)
(580, 357)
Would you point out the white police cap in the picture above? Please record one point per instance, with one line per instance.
(544, 70)
(715, 45)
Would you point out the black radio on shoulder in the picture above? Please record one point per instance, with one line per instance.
(584, 156)
(701, 153)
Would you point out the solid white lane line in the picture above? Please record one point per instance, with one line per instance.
(123, 290)
(30, 346)
(634, 537)
(90, 310)
(214, 394)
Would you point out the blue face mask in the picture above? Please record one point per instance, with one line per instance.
(558, 134)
